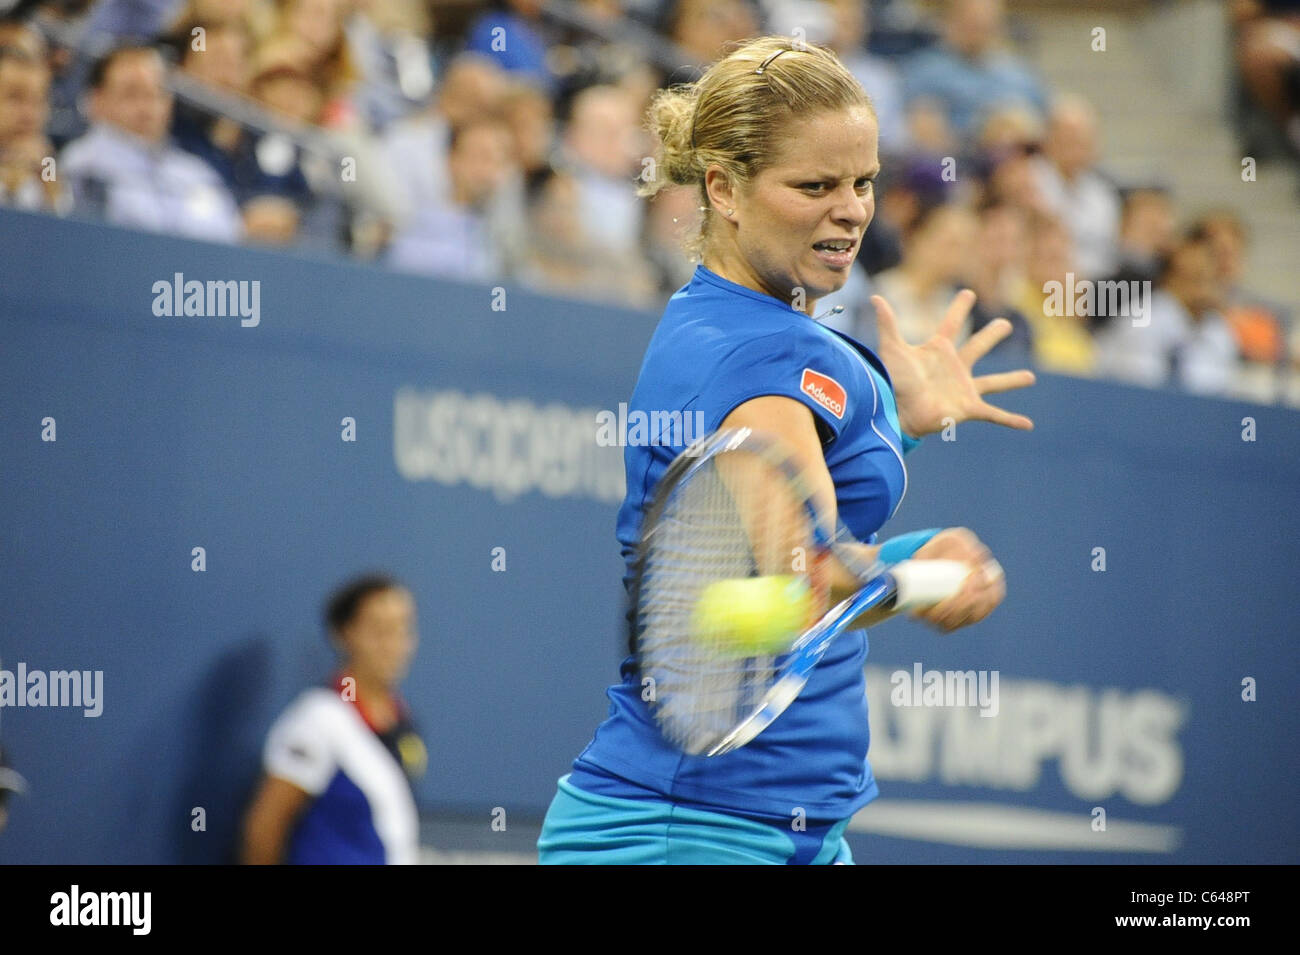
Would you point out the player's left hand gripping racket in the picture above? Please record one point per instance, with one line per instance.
(731, 590)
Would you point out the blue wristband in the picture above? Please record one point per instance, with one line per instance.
(905, 545)
(909, 442)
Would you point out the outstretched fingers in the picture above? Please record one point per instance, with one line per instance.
(955, 317)
(1004, 381)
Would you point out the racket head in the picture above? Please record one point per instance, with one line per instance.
(731, 509)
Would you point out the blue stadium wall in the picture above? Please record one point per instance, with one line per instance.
(1120, 690)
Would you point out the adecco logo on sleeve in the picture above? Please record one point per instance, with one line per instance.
(824, 390)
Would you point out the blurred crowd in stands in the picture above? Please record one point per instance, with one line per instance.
(500, 142)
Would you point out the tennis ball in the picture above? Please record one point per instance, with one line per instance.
(753, 615)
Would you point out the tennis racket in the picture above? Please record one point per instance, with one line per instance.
(734, 552)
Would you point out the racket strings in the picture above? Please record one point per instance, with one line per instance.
(733, 518)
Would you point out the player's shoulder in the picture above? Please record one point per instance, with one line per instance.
(314, 708)
(711, 315)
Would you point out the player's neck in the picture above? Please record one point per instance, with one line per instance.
(375, 699)
(733, 267)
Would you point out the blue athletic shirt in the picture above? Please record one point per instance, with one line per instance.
(717, 346)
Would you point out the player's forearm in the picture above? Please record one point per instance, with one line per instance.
(263, 844)
(845, 580)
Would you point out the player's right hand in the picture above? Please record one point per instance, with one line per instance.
(980, 593)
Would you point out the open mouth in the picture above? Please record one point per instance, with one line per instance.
(837, 253)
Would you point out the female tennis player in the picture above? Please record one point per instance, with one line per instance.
(781, 142)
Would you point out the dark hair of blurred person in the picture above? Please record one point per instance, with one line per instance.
(340, 761)
(1147, 232)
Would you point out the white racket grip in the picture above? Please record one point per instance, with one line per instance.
(924, 583)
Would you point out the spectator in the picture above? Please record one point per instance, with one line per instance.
(455, 237)
(999, 274)
(281, 194)
(340, 762)
(562, 258)
(1059, 331)
(1147, 232)
(937, 251)
(126, 168)
(703, 28)
(1268, 60)
(1074, 191)
(511, 33)
(928, 131)
(28, 174)
(1012, 180)
(261, 172)
(1186, 342)
(325, 56)
(968, 72)
(1260, 327)
(415, 149)
(850, 29)
(531, 117)
(904, 192)
(602, 148)
(352, 194)
(1146, 237)
(393, 58)
(17, 35)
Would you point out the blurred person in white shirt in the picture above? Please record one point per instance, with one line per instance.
(1074, 191)
(603, 149)
(128, 169)
(457, 237)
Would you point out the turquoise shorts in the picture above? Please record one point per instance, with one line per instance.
(584, 828)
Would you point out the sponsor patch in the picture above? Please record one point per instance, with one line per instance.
(824, 390)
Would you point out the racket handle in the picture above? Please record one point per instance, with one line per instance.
(924, 583)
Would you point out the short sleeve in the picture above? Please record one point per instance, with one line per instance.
(298, 747)
(802, 367)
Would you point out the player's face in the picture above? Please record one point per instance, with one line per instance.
(381, 638)
(819, 190)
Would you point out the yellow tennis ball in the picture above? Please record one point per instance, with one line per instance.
(753, 615)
